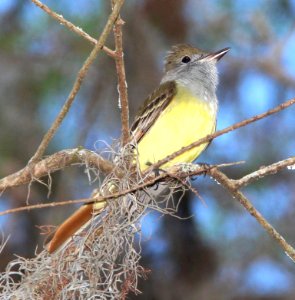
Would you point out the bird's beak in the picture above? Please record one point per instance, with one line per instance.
(216, 55)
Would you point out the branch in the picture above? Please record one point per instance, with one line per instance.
(262, 172)
(122, 84)
(72, 27)
(180, 171)
(78, 82)
(210, 137)
(236, 194)
(53, 163)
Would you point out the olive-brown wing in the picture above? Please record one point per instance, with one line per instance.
(152, 108)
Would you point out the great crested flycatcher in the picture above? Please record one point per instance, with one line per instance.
(183, 109)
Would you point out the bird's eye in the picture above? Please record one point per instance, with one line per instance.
(186, 59)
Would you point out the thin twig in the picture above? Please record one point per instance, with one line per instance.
(188, 186)
(55, 162)
(122, 83)
(72, 27)
(210, 137)
(238, 195)
(76, 87)
(86, 200)
(262, 172)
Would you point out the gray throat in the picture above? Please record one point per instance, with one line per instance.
(201, 82)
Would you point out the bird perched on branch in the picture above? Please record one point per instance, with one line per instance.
(182, 110)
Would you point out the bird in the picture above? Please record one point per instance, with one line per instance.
(180, 111)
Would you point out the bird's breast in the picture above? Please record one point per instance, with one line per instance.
(185, 120)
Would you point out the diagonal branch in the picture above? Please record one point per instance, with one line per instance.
(78, 82)
(71, 26)
(178, 171)
(262, 172)
(236, 194)
(210, 137)
(53, 163)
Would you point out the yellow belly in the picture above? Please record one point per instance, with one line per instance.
(185, 120)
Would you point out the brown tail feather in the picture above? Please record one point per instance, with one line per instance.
(70, 226)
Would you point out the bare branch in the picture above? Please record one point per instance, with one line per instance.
(181, 171)
(72, 27)
(264, 171)
(52, 204)
(53, 163)
(122, 84)
(238, 195)
(76, 87)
